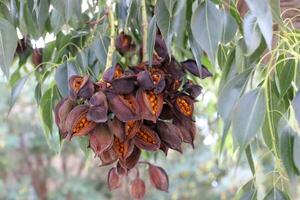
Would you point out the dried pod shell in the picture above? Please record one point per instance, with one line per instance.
(77, 123)
(184, 105)
(158, 178)
(192, 89)
(137, 189)
(125, 107)
(62, 109)
(147, 139)
(112, 73)
(187, 129)
(122, 149)
(170, 135)
(124, 43)
(108, 157)
(123, 85)
(80, 87)
(131, 127)
(114, 180)
(131, 161)
(151, 104)
(191, 66)
(101, 139)
(117, 128)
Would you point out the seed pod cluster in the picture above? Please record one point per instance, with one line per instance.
(133, 109)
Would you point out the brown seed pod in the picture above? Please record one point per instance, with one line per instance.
(124, 43)
(77, 123)
(137, 188)
(37, 57)
(170, 135)
(147, 139)
(185, 105)
(122, 149)
(62, 109)
(131, 161)
(125, 107)
(108, 157)
(117, 128)
(191, 66)
(114, 180)
(187, 129)
(131, 127)
(158, 178)
(101, 139)
(151, 104)
(80, 87)
(112, 73)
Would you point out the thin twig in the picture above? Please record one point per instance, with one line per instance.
(145, 29)
(111, 47)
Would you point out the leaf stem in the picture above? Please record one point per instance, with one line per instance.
(145, 29)
(111, 48)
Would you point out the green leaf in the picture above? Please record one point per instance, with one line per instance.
(296, 107)
(56, 20)
(287, 136)
(276, 108)
(286, 73)
(276, 194)
(250, 159)
(164, 22)
(84, 144)
(296, 152)
(248, 117)
(100, 48)
(207, 26)
(8, 45)
(240, 51)
(228, 99)
(261, 10)
(151, 39)
(251, 33)
(38, 92)
(247, 192)
(61, 78)
(62, 75)
(16, 90)
(46, 110)
(230, 94)
(67, 8)
(229, 27)
(196, 49)
(42, 15)
(275, 7)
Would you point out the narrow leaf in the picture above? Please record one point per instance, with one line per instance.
(16, 90)
(248, 117)
(8, 45)
(207, 25)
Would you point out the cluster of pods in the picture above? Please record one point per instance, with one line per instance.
(133, 109)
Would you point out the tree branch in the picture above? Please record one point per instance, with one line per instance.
(145, 29)
(111, 47)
